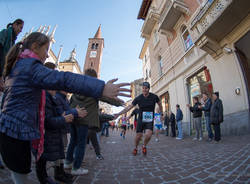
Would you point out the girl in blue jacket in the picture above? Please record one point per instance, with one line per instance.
(22, 108)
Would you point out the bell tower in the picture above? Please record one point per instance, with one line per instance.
(94, 53)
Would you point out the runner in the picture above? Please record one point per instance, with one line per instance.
(146, 102)
(123, 126)
(158, 125)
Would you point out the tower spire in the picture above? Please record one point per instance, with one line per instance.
(98, 32)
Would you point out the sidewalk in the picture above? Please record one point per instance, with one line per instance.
(168, 161)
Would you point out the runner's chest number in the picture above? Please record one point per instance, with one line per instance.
(147, 117)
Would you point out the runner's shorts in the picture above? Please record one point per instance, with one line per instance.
(144, 126)
(159, 127)
(124, 127)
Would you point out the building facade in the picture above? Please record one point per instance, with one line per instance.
(198, 46)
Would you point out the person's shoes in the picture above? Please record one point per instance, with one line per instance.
(178, 138)
(135, 152)
(68, 166)
(79, 171)
(121, 134)
(194, 139)
(61, 176)
(200, 139)
(209, 140)
(157, 140)
(99, 157)
(144, 150)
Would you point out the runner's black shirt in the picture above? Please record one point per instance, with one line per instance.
(146, 104)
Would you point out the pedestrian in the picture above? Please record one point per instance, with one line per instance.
(179, 118)
(171, 117)
(21, 119)
(216, 115)
(54, 124)
(8, 37)
(79, 129)
(157, 124)
(206, 107)
(197, 113)
(146, 102)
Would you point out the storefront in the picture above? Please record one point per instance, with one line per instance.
(198, 84)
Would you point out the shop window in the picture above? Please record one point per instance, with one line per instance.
(186, 38)
(200, 83)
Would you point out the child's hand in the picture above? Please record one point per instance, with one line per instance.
(112, 90)
(81, 112)
(68, 118)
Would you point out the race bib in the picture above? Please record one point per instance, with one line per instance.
(147, 117)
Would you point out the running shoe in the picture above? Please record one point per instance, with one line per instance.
(135, 152)
(144, 150)
(156, 140)
(99, 157)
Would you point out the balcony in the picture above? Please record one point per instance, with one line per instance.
(149, 23)
(171, 14)
(216, 19)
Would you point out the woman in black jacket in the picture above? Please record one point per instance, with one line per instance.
(216, 115)
(170, 119)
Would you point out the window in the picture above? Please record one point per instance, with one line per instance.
(160, 65)
(146, 73)
(96, 46)
(187, 40)
(93, 46)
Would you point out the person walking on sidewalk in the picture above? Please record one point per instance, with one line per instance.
(23, 105)
(216, 115)
(146, 102)
(197, 113)
(206, 107)
(179, 118)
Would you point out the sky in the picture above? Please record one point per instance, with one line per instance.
(77, 21)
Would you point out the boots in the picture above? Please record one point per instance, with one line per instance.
(60, 175)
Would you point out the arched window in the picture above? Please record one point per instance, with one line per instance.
(93, 46)
(187, 40)
(160, 65)
(96, 46)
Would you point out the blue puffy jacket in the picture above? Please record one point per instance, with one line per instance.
(62, 106)
(20, 105)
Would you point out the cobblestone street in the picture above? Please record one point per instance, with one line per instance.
(168, 161)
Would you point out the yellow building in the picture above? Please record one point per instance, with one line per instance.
(197, 46)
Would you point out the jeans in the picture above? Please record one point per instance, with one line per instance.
(105, 128)
(179, 125)
(208, 126)
(77, 145)
(20, 178)
(198, 127)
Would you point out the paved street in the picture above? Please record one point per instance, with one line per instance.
(168, 161)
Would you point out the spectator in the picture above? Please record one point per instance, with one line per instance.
(216, 115)
(197, 113)
(179, 117)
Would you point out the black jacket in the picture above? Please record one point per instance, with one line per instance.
(207, 107)
(54, 126)
(170, 120)
(216, 113)
(195, 110)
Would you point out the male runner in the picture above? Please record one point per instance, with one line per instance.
(146, 102)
